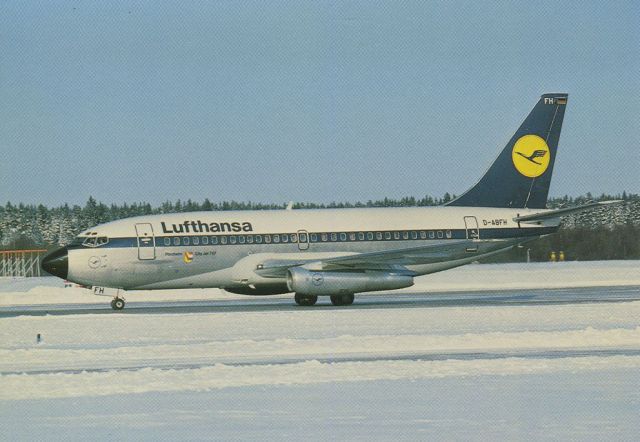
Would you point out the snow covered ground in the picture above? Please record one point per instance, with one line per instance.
(35, 291)
(472, 372)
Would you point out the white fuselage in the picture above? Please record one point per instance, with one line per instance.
(224, 249)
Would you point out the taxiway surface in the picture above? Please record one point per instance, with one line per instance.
(578, 295)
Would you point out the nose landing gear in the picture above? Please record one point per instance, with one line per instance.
(117, 303)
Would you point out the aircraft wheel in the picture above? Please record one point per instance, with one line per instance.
(117, 304)
(305, 300)
(342, 299)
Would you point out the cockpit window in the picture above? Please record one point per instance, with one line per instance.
(95, 241)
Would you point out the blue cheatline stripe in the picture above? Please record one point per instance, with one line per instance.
(332, 237)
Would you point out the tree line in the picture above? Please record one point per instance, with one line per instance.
(611, 232)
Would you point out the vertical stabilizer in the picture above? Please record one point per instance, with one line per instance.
(521, 175)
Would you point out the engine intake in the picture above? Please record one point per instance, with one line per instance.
(307, 282)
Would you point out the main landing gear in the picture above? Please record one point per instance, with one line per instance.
(305, 300)
(117, 303)
(342, 299)
(309, 300)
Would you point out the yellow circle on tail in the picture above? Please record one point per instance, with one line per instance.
(531, 156)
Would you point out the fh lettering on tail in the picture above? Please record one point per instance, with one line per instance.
(556, 100)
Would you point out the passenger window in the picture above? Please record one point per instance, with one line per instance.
(276, 238)
(223, 240)
(294, 237)
(369, 236)
(267, 239)
(448, 234)
(232, 239)
(185, 241)
(314, 237)
(405, 235)
(414, 235)
(352, 237)
(432, 234)
(334, 237)
(285, 238)
(205, 240)
(258, 239)
(360, 236)
(241, 239)
(379, 236)
(423, 234)
(167, 241)
(196, 240)
(325, 237)
(343, 237)
(249, 239)
(396, 235)
(214, 240)
(440, 234)
(176, 241)
(387, 235)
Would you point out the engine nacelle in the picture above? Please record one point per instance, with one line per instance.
(307, 282)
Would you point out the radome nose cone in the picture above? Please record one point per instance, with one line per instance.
(57, 263)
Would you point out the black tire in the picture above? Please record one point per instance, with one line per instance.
(117, 304)
(305, 300)
(342, 299)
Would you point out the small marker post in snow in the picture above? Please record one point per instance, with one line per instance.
(38, 338)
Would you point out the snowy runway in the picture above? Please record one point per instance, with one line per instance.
(522, 363)
(576, 295)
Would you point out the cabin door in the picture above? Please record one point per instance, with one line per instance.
(473, 232)
(146, 241)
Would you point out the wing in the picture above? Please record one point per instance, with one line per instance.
(395, 260)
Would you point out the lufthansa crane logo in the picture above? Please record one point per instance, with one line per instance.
(317, 279)
(94, 262)
(187, 257)
(531, 156)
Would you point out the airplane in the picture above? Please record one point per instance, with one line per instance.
(330, 252)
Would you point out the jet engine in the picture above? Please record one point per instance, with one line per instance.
(316, 283)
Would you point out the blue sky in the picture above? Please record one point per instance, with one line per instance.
(306, 101)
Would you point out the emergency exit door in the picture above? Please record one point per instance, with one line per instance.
(303, 240)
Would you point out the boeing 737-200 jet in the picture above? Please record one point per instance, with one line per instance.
(333, 252)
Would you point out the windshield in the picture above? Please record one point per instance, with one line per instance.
(93, 241)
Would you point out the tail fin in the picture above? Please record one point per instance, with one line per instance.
(521, 175)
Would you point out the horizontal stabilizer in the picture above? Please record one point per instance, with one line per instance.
(561, 212)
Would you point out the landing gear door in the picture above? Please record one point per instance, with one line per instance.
(473, 232)
(146, 241)
(303, 240)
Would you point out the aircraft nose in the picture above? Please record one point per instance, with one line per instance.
(57, 263)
